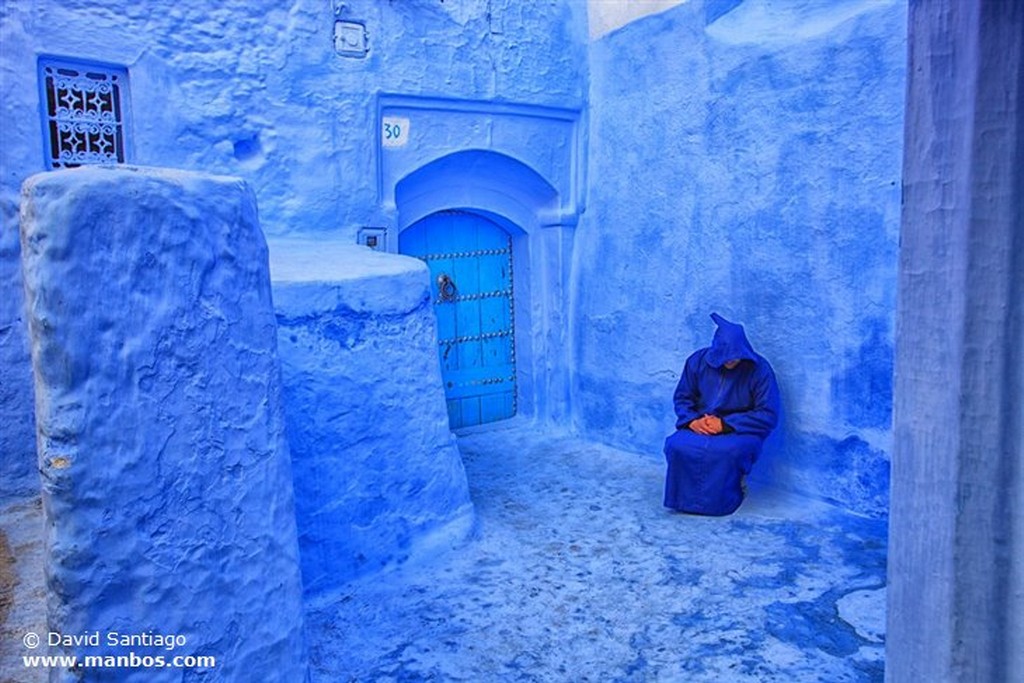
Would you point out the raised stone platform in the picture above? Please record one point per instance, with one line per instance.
(377, 473)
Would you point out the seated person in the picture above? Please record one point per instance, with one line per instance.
(727, 402)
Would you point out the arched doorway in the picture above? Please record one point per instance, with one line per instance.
(471, 270)
(516, 199)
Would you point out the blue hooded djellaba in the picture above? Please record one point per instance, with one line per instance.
(706, 471)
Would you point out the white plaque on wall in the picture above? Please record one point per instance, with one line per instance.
(394, 131)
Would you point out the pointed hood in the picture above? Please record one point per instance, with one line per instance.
(730, 343)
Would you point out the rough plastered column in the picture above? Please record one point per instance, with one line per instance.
(378, 476)
(166, 479)
(956, 561)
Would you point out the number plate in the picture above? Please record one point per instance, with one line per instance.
(394, 131)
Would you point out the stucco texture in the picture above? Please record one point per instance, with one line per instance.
(256, 90)
(756, 172)
(166, 478)
(377, 474)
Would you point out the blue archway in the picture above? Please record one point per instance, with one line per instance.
(489, 182)
(508, 192)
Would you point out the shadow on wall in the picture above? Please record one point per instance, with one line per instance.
(792, 460)
(19, 474)
(767, 471)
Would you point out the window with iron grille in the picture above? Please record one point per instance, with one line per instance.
(84, 114)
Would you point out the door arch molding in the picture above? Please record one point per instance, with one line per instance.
(513, 195)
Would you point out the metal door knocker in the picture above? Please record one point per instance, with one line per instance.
(446, 287)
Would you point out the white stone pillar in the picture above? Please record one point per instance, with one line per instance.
(956, 595)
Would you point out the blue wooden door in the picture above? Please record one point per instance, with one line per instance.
(470, 262)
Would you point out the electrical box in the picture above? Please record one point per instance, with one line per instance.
(350, 39)
(374, 238)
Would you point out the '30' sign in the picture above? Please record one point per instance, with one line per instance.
(394, 131)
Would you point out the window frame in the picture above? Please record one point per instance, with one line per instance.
(109, 126)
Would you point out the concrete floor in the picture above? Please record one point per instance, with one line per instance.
(577, 573)
(22, 591)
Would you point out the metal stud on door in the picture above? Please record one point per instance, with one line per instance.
(470, 262)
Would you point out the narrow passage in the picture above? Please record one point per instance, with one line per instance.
(577, 573)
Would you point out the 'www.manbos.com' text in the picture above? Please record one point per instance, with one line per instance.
(128, 661)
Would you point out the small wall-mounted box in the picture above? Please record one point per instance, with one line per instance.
(374, 238)
(350, 39)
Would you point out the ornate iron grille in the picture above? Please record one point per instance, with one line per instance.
(83, 113)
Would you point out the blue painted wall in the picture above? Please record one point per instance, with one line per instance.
(167, 493)
(18, 473)
(255, 89)
(735, 164)
(378, 476)
(753, 169)
(956, 560)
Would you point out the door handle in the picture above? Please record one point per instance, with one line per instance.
(446, 289)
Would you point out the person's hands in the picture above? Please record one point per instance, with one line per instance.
(708, 425)
(714, 424)
(699, 425)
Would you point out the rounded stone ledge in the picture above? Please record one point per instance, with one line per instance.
(86, 176)
(311, 276)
